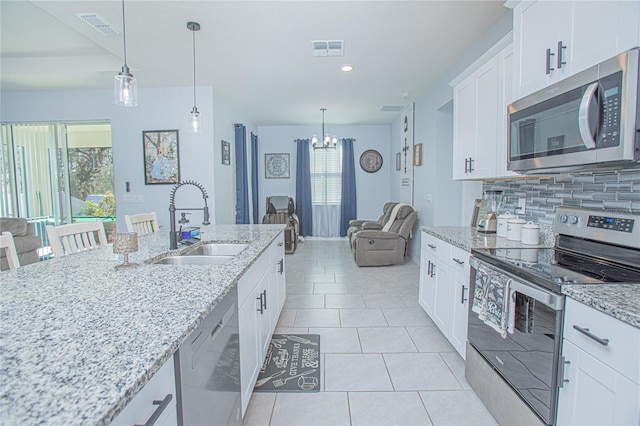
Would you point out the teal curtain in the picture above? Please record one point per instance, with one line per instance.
(303, 188)
(254, 176)
(348, 204)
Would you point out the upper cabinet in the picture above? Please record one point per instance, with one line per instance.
(480, 97)
(553, 40)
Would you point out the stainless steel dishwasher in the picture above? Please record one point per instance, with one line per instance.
(208, 377)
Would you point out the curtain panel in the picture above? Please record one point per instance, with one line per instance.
(348, 204)
(254, 176)
(242, 185)
(303, 188)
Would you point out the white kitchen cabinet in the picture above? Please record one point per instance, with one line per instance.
(261, 298)
(553, 40)
(156, 399)
(479, 115)
(444, 288)
(601, 369)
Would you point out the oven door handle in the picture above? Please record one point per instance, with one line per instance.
(552, 300)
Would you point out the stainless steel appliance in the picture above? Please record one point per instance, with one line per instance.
(494, 201)
(592, 247)
(589, 120)
(209, 369)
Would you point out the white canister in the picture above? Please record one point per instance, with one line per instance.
(514, 229)
(530, 233)
(501, 230)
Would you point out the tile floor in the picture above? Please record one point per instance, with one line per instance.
(383, 361)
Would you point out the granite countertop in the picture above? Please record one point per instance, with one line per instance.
(621, 301)
(467, 238)
(79, 339)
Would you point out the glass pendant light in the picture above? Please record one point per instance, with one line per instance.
(194, 116)
(326, 140)
(125, 86)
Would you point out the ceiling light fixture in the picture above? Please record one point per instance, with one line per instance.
(347, 68)
(327, 141)
(196, 125)
(125, 86)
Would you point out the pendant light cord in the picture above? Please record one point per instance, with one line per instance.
(194, 67)
(323, 110)
(124, 35)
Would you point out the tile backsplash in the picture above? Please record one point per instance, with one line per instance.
(617, 190)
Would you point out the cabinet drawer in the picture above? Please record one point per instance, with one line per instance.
(141, 407)
(459, 260)
(253, 276)
(623, 347)
(435, 246)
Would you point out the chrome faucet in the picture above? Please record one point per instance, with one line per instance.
(173, 237)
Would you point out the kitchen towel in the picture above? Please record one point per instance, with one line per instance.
(491, 299)
(480, 288)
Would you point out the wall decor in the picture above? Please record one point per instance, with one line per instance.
(161, 157)
(371, 161)
(276, 166)
(226, 153)
(398, 161)
(417, 154)
(406, 148)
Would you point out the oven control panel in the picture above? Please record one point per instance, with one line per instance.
(618, 228)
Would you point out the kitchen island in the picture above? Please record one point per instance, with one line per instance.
(79, 339)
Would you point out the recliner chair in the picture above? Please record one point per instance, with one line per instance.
(360, 224)
(281, 209)
(386, 246)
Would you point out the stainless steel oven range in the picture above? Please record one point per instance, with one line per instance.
(516, 314)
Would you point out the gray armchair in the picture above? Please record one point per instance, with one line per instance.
(360, 224)
(25, 239)
(382, 247)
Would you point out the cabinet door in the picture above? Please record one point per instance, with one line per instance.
(538, 26)
(427, 288)
(464, 126)
(505, 64)
(250, 347)
(602, 30)
(487, 106)
(443, 296)
(595, 393)
(460, 312)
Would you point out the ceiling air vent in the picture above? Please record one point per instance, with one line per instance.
(327, 47)
(99, 23)
(391, 108)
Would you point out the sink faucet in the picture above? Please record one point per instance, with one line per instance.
(173, 240)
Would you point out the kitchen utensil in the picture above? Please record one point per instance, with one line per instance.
(494, 202)
(502, 223)
(266, 379)
(530, 233)
(514, 229)
(281, 382)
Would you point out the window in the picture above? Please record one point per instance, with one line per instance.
(326, 175)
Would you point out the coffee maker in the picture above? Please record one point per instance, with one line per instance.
(493, 202)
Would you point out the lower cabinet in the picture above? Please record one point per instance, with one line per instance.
(156, 402)
(444, 288)
(261, 295)
(601, 369)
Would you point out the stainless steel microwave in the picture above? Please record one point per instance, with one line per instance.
(585, 122)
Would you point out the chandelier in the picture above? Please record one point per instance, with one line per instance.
(327, 141)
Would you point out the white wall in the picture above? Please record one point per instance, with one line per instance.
(439, 199)
(373, 189)
(158, 109)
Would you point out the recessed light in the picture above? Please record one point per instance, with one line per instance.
(347, 67)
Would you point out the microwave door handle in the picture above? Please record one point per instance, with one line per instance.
(583, 116)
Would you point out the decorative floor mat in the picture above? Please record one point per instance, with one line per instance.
(292, 364)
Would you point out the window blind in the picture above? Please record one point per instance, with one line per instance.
(326, 175)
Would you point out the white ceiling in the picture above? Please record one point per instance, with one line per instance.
(256, 53)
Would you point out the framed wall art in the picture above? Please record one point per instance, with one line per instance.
(226, 153)
(161, 157)
(371, 161)
(276, 166)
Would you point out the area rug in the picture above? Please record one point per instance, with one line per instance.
(292, 364)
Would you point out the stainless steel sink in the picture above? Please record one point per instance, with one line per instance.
(193, 260)
(213, 249)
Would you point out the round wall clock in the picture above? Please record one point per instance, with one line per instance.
(371, 161)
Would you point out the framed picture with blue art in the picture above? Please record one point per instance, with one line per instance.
(161, 157)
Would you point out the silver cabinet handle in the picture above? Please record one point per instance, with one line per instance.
(586, 332)
(471, 164)
(433, 270)
(560, 48)
(462, 299)
(432, 246)
(548, 67)
(429, 267)
(281, 266)
(158, 411)
(458, 261)
(261, 305)
(264, 299)
(561, 380)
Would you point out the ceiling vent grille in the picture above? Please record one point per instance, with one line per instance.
(391, 108)
(327, 47)
(99, 23)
